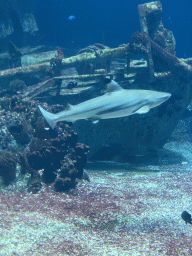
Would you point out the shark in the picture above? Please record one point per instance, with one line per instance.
(115, 103)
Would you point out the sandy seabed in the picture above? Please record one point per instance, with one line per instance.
(124, 210)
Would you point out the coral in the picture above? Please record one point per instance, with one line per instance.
(81, 151)
(72, 168)
(64, 184)
(16, 122)
(16, 104)
(42, 132)
(15, 131)
(20, 132)
(34, 184)
(56, 63)
(18, 86)
(58, 155)
(41, 151)
(22, 160)
(7, 167)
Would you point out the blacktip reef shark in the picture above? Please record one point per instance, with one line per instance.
(116, 102)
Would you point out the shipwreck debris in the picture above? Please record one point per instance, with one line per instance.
(14, 54)
(159, 70)
(73, 61)
(155, 42)
(144, 11)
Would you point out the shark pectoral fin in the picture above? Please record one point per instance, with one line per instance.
(142, 110)
(94, 120)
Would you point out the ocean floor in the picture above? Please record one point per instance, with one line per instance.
(124, 210)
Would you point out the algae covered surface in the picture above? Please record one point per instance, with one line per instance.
(123, 210)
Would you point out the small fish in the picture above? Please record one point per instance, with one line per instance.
(71, 85)
(85, 176)
(71, 17)
(186, 217)
(117, 102)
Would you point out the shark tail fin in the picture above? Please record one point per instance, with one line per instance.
(49, 117)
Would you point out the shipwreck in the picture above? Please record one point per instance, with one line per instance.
(148, 61)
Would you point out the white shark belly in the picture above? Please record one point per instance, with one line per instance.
(106, 110)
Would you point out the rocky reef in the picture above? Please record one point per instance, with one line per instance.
(7, 167)
(59, 157)
(52, 157)
(56, 157)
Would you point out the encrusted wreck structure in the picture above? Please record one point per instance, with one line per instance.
(17, 25)
(52, 79)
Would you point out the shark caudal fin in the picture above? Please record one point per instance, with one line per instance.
(49, 117)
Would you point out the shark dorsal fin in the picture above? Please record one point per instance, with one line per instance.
(113, 86)
(69, 106)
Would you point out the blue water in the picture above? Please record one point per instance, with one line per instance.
(125, 209)
(108, 22)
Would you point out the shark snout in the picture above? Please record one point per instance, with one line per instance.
(159, 99)
(165, 97)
